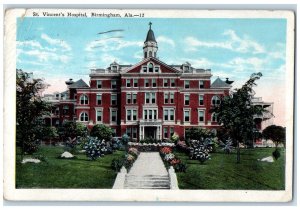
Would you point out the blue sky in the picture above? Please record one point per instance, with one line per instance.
(61, 48)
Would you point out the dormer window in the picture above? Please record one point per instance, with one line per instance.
(114, 68)
(150, 67)
(150, 53)
(156, 69)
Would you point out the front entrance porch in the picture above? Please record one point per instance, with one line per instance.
(153, 132)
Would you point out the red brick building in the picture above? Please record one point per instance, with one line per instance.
(150, 99)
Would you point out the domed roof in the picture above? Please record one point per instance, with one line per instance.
(150, 35)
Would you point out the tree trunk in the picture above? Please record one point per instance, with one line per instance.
(238, 153)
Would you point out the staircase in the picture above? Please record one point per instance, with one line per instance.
(147, 182)
(148, 172)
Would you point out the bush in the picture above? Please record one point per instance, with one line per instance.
(276, 154)
(117, 164)
(96, 148)
(227, 147)
(102, 132)
(199, 150)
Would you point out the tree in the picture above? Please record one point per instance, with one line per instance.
(275, 133)
(236, 113)
(30, 109)
(73, 129)
(102, 132)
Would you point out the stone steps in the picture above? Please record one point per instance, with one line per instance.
(147, 182)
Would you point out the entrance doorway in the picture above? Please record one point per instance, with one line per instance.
(150, 132)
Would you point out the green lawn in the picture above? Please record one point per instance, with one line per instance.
(222, 172)
(66, 173)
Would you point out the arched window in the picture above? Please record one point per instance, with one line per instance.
(84, 99)
(84, 117)
(214, 117)
(150, 53)
(145, 55)
(150, 67)
(215, 100)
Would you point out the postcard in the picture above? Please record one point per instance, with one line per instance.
(148, 105)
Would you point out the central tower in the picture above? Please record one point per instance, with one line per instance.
(150, 45)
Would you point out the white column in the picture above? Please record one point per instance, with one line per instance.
(141, 134)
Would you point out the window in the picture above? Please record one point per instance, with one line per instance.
(145, 55)
(134, 115)
(153, 98)
(169, 114)
(172, 98)
(166, 114)
(146, 82)
(166, 98)
(99, 84)
(165, 83)
(99, 99)
(114, 132)
(171, 131)
(145, 69)
(201, 100)
(165, 132)
(150, 98)
(84, 99)
(66, 109)
(186, 68)
(215, 100)
(156, 68)
(150, 114)
(172, 82)
(131, 114)
(201, 115)
(186, 115)
(99, 115)
(128, 114)
(134, 133)
(150, 67)
(114, 68)
(57, 111)
(214, 117)
(201, 84)
(113, 117)
(135, 82)
(150, 53)
(128, 98)
(128, 83)
(128, 132)
(113, 99)
(186, 84)
(113, 84)
(134, 98)
(186, 100)
(84, 117)
(153, 82)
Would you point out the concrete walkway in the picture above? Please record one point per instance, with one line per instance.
(148, 172)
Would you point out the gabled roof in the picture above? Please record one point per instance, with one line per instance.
(218, 83)
(154, 60)
(79, 84)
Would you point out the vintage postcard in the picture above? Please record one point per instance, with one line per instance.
(148, 105)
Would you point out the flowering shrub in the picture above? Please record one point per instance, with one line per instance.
(133, 151)
(181, 146)
(166, 150)
(199, 150)
(227, 147)
(170, 159)
(95, 148)
(127, 161)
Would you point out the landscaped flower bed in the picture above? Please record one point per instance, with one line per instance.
(147, 147)
(170, 159)
(130, 157)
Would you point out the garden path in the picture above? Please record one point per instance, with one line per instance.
(148, 172)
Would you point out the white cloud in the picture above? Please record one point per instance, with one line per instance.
(163, 39)
(29, 43)
(234, 43)
(56, 42)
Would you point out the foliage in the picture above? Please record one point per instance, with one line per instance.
(236, 112)
(181, 146)
(275, 133)
(125, 139)
(276, 153)
(117, 164)
(198, 133)
(102, 132)
(30, 108)
(73, 129)
(199, 150)
(95, 148)
(227, 146)
(127, 161)
(170, 159)
(174, 138)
